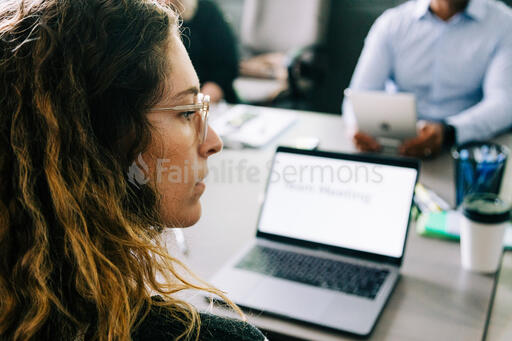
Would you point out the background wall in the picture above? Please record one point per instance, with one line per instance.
(349, 22)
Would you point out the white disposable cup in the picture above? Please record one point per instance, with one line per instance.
(481, 245)
(482, 230)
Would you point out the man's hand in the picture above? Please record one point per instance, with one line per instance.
(214, 90)
(429, 141)
(366, 143)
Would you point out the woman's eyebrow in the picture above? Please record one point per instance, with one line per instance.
(194, 90)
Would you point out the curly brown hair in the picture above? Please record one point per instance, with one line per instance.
(79, 252)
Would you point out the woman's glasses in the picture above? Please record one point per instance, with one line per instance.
(202, 108)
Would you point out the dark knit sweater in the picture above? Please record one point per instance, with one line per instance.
(159, 326)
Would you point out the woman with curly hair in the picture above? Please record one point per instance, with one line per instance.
(89, 89)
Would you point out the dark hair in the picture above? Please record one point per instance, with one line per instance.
(77, 256)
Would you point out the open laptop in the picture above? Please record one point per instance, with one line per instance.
(330, 239)
(390, 117)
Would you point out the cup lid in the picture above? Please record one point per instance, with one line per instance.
(485, 208)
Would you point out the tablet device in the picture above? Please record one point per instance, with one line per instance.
(384, 115)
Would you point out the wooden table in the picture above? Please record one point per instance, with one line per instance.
(435, 298)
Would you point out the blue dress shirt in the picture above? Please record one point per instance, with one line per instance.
(460, 70)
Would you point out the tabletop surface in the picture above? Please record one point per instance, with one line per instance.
(434, 299)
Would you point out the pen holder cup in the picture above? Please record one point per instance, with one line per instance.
(479, 168)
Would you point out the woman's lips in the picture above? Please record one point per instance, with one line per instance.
(200, 185)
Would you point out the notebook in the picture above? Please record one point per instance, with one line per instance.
(250, 126)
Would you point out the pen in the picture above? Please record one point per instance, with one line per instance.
(439, 201)
(424, 197)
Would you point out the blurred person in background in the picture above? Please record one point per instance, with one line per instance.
(455, 56)
(89, 90)
(212, 47)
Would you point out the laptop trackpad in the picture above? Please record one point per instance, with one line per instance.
(289, 298)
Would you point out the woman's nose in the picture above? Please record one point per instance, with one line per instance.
(212, 144)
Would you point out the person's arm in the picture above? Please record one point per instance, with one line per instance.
(373, 69)
(494, 113)
(374, 66)
(482, 121)
(222, 61)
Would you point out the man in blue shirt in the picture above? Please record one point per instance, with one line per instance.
(455, 56)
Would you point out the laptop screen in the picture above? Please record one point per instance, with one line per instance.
(356, 205)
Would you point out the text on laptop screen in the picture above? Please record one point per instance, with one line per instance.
(350, 204)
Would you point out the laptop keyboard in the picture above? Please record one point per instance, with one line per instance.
(319, 272)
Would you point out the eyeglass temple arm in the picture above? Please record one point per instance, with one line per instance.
(182, 107)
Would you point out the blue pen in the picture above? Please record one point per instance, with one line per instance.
(464, 174)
